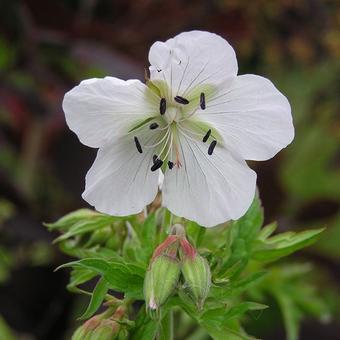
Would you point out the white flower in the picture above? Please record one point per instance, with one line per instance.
(195, 119)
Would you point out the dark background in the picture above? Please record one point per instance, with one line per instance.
(47, 47)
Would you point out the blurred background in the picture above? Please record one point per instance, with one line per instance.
(47, 47)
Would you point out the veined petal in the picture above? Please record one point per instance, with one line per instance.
(98, 110)
(190, 60)
(208, 189)
(252, 116)
(120, 181)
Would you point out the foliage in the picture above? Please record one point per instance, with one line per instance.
(117, 251)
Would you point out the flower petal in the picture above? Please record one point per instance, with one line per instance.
(120, 181)
(98, 110)
(192, 59)
(208, 189)
(252, 116)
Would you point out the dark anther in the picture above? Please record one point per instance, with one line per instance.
(207, 135)
(158, 163)
(138, 146)
(153, 126)
(202, 101)
(170, 165)
(181, 100)
(162, 106)
(154, 158)
(212, 147)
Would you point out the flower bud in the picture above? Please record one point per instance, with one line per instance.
(123, 334)
(160, 280)
(107, 330)
(86, 329)
(197, 277)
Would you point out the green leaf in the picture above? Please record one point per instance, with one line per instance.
(221, 323)
(250, 224)
(145, 328)
(97, 298)
(123, 277)
(220, 315)
(5, 331)
(267, 231)
(195, 232)
(79, 276)
(284, 244)
(237, 287)
(291, 315)
(86, 226)
(244, 232)
(149, 231)
(72, 218)
(223, 333)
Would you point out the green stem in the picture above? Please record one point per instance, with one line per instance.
(166, 328)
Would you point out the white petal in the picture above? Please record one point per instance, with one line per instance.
(253, 117)
(160, 57)
(120, 181)
(192, 59)
(98, 110)
(208, 189)
(160, 180)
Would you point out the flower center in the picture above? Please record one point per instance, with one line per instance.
(163, 133)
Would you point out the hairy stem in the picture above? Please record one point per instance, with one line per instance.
(166, 328)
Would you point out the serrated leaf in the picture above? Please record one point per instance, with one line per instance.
(223, 333)
(250, 224)
(86, 226)
(149, 231)
(267, 231)
(215, 321)
(123, 277)
(284, 244)
(72, 218)
(237, 287)
(132, 250)
(79, 276)
(145, 328)
(97, 298)
(222, 314)
(5, 331)
(195, 232)
(229, 272)
(291, 314)
(244, 233)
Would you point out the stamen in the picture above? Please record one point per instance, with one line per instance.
(202, 101)
(138, 146)
(170, 165)
(162, 106)
(207, 135)
(212, 147)
(158, 163)
(159, 142)
(181, 100)
(154, 158)
(153, 126)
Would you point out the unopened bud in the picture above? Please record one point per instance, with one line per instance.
(107, 330)
(86, 329)
(197, 277)
(100, 236)
(123, 334)
(160, 280)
